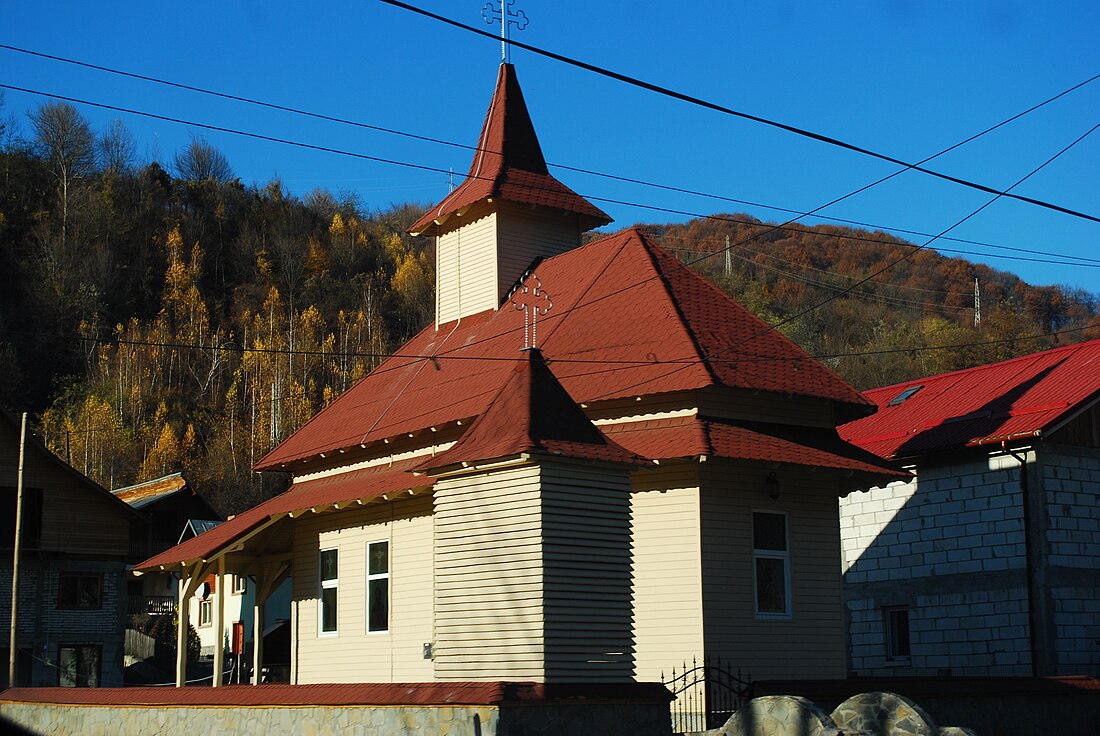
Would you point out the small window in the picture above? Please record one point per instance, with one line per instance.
(771, 565)
(79, 665)
(907, 393)
(206, 612)
(240, 584)
(378, 586)
(328, 597)
(80, 590)
(897, 632)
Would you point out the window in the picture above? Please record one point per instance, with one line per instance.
(907, 393)
(206, 612)
(78, 665)
(771, 565)
(378, 586)
(240, 584)
(329, 581)
(897, 632)
(81, 590)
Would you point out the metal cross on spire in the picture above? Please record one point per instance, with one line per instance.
(529, 297)
(506, 17)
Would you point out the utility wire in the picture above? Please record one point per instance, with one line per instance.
(918, 166)
(768, 228)
(614, 177)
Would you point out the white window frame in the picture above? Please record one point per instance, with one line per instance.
(322, 586)
(379, 576)
(240, 584)
(206, 606)
(771, 554)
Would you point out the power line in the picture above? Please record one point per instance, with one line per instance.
(633, 81)
(614, 177)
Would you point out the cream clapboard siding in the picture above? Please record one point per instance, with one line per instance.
(525, 234)
(667, 573)
(586, 532)
(532, 574)
(466, 281)
(731, 403)
(488, 579)
(104, 524)
(811, 643)
(353, 655)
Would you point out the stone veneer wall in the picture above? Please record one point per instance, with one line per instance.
(1071, 484)
(948, 544)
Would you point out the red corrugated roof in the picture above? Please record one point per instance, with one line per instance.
(685, 437)
(337, 694)
(532, 413)
(1022, 397)
(358, 484)
(620, 303)
(509, 165)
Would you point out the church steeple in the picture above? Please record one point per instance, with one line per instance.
(509, 211)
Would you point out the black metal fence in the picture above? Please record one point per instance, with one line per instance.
(707, 694)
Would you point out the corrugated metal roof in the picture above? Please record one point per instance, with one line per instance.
(686, 437)
(142, 494)
(318, 494)
(1013, 399)
(628, 317)
(337, 694)
(509, 165)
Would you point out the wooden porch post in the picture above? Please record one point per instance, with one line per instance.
(183, 616)
(219, 624)
(257, 632)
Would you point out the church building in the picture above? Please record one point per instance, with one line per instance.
(592, 467)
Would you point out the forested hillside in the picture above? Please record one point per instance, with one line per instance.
(160, 315)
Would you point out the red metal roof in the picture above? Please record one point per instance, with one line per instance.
(532, 413)
(628, 320)
(337, 694)
(685, 437)
(322, 492)
(1017, 398)
(509, 165)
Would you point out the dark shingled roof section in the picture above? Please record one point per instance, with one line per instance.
(642, 322)
(358, 484)
(337, 694)
(509, 165)
(685, 437)
(1014, 399)
(532, 413)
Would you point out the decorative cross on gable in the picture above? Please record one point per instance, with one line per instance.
(505, 17)
(529, 297)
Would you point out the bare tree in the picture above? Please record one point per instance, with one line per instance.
(117, 148)
(64, 138)
(201, 161)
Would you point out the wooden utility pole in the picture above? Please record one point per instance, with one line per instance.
(13, 640)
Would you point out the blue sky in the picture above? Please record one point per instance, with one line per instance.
(904, 78)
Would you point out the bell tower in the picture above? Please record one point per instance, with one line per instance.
(508, 212)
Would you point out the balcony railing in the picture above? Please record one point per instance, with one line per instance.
(155, 604)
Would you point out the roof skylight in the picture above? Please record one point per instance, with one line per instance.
(905, 395)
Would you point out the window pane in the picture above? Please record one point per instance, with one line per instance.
(771, 585)
(379, 558)
(67, 591)
(769, 531)
(66, 667)
(328, 564)
(897, 637)
(88, 667)
(89, 592)
(378, 617)
(328, 609)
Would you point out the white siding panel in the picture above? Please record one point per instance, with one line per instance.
(528, 233)
(352, 654)
(466, 279)
(666, 576)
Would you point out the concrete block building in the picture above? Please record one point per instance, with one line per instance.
(987, 561)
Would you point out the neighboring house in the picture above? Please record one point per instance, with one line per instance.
(986, 562)
(169, 503)
(657, 481)
(76, 539)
